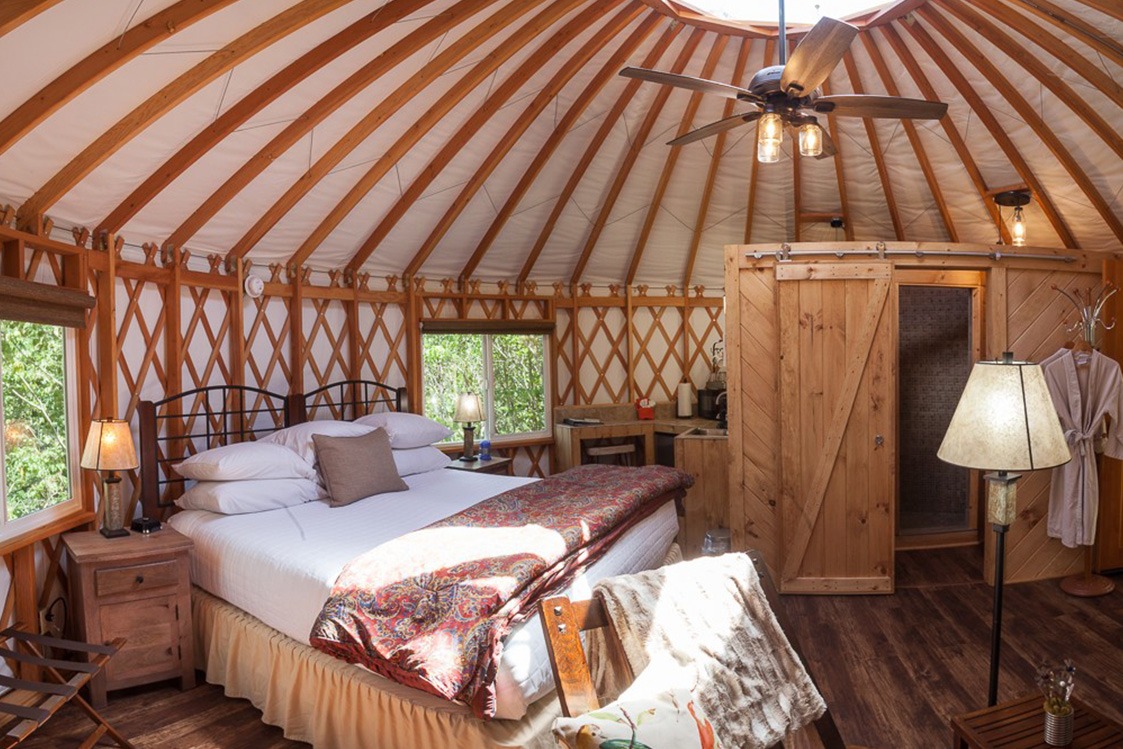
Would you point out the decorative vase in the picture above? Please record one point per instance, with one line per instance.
(1058, 729)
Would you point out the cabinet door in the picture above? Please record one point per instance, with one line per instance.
(837, 427)
(150, 627)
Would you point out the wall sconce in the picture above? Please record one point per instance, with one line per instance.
(1014, 199)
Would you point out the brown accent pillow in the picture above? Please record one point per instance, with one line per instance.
(357, 467)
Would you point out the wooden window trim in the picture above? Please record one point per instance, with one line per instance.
(493, 327)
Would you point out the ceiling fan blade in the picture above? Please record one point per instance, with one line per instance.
(716, 127)
(896, 107)
(700, 85)
(816, 56)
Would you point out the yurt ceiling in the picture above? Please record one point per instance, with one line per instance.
(494, 139)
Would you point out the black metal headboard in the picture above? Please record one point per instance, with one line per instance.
(345, 400)
(196, 420)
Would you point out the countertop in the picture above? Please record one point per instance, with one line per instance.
(660, 425)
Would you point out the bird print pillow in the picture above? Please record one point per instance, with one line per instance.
(669, 720)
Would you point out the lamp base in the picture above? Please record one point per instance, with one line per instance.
(469, 458)
(1087, 586)
(114, 533)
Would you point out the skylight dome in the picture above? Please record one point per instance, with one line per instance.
(797, 11)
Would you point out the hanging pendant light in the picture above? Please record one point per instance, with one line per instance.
(1014, 199)
(1018, 228)
(810, 140)
(769, 136)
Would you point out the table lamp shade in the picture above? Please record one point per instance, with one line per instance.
(109, 446)
(468, 409)
(1005, 421)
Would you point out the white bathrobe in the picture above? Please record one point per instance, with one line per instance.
(1083, 395)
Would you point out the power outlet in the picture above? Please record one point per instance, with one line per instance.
(48, 626)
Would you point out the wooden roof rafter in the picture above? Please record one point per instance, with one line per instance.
(249, 105)
(1050, 80)
(913, 136)
(560, 79)
(353, 85)
(711, 175)
(832, 126)
(499, 95)
(639, 140)
(685, 125)
(916, 73)
(982, 111)
(580, 104)
(754, 166)
(602, 133)
(1072, 24)
(1107, 7)
(260, 37)
(16, 12)
(1027, 113)
(875, 148)
(477, 73)
(698, 20)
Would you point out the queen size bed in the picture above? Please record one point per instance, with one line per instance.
(262, 577)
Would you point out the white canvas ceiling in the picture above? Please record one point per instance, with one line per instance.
(452, 137)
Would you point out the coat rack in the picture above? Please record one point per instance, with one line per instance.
(1088, 584)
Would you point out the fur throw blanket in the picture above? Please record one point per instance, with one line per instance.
(710, 616)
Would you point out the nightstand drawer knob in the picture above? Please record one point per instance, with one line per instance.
(140, 579)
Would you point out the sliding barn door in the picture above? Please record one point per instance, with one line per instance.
(838, 427)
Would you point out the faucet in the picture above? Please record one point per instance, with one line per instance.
(721, 404)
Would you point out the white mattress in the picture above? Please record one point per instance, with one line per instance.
(280, 565)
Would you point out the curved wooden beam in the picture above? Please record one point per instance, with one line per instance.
(750, 206)
(100, 63)
(253, 102)
(1074, 25)
(957, 142)
(711, 177)
(478, 120)
(691, 17)
(164, 100)
(639, 140)
(436, 67)
(1027, 113)
(563, 128)
(1038, 70)
(15, 12)
(686, 124)
(1107, 7)
(529, 115)
(982, 111)
(602, 133)
(914, 136)
(875, 147)
(844, 206)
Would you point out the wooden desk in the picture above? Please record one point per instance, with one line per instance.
(1021, 724)
(567, 440)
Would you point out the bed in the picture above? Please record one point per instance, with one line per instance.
(261, 579)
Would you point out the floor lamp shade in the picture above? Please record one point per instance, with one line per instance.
(1005, 421)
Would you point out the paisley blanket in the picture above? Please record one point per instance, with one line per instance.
(430, 608)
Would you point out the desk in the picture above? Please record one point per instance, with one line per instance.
(1021, 723)
(567, 440)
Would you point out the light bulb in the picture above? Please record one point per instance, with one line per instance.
(1018, 228)
(810, 140)
(769, 136)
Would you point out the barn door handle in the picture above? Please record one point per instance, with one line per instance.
(879, 440)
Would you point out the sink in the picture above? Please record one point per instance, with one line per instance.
(705, 432)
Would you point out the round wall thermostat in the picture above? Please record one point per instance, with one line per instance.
(254, 286)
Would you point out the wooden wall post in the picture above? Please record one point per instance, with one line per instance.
(237, 336)
(11, 258)
(296, 330)
(107, 347)
(997, 314)
(173, 329)
(413, 344)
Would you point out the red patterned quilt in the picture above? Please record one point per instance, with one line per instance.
(430, 608)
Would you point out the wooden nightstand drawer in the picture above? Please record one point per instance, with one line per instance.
(135, 578)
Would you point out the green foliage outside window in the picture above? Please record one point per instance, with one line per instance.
(33, 391)
(456, 363)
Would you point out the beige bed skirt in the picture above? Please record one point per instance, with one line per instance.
(334, 705)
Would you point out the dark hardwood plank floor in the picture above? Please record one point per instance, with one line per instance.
(893, 668)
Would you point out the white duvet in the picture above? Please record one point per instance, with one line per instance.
(280, 565)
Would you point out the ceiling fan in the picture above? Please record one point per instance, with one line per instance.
(789, 94)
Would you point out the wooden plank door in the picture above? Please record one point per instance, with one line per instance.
(838, 427)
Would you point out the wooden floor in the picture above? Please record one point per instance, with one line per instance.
(893, 668)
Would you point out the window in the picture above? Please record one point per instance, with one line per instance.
(37, 467)
(508, 370)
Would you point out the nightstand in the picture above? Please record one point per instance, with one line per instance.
(139, 588)
(495, 465)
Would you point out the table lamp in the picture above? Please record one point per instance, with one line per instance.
(109, 448)
(468, 412)
(1005, 422)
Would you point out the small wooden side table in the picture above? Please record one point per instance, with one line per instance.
(495, 465)
(138, 588)
(1021, 724)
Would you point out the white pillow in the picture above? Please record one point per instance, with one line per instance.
(246, 460)
(238, 497)
(419, 460)
(407, 430)
(299, 438)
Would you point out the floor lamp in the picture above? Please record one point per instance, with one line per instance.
(1005, 422)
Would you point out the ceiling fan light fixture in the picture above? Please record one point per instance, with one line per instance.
(769, 136)
(810, 140)
(768, 153)
(1018, 228)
